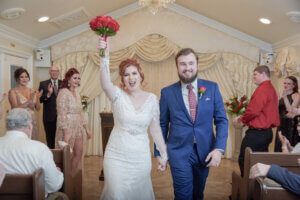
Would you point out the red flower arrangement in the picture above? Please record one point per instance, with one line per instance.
(237, 106)
(104, 26)
(84, 102)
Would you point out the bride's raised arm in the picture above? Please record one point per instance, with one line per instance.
(105, 80)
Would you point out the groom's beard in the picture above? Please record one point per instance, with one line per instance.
(187, 80)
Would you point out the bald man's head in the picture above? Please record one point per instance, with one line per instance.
(54, 72)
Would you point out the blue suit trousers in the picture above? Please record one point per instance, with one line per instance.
(189, 178)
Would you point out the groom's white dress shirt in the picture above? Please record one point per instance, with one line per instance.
(185, 93)
(21, 155)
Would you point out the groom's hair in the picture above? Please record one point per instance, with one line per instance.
(185, 52)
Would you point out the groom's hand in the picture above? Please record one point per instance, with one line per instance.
(215, 157)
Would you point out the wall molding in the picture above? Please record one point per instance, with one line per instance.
(17, 37)
(221, 27)
(13, 35)
(46, 43)
(291, 41)
(14, 52)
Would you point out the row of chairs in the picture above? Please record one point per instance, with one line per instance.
(28, 187)
(244, 188)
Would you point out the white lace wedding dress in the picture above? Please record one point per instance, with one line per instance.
(127, 159)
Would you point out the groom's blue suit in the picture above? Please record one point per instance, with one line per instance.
(186, 158)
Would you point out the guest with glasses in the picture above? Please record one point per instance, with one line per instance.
(48, 98)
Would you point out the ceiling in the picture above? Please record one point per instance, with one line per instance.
(242, 15)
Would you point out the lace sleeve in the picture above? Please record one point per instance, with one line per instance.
(105, 80)
(117, 94)
(156, 131)
(62, 102)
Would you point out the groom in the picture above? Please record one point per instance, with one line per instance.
(188, 110)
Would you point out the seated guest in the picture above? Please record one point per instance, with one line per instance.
(285, 144)
(21, 155)
(285, 178)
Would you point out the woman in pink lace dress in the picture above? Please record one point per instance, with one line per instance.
(71, 124)
(25, 97)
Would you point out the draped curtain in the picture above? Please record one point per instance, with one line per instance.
(232, 72)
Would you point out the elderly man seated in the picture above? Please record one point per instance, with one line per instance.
(21, 155)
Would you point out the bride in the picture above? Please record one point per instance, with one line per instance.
(127, 158)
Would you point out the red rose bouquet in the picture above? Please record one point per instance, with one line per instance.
(237, 106)
(104, 26)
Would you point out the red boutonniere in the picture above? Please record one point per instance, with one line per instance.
(201, 91)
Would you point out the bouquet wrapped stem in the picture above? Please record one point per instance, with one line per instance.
(102, 50)
(104, 26)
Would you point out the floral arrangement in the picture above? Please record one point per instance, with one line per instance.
(201, 91)
(104, 26)
(237, 106)
(84, 102)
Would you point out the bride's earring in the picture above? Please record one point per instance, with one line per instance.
(68, 84)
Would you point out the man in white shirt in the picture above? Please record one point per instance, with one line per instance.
(21, 155)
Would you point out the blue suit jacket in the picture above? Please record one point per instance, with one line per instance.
(179, 130)
(287, 179)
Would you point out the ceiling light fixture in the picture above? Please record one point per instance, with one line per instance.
(265, 21)
(43, 19)
(294, 16)
(12, 13)
(155, 5)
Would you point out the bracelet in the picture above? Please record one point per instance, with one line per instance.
(284, 147)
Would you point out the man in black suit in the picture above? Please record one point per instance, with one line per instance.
(50, 90)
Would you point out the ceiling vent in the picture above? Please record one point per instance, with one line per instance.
(294, 16)
(12, 13)
(71, 18)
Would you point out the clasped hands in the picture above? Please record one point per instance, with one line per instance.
(161, 164)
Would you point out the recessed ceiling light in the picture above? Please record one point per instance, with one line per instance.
(265, 21)
(43, 19)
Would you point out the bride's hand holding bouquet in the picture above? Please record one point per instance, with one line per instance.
(104, 26)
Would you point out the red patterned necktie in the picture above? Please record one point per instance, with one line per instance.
(192, 102)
